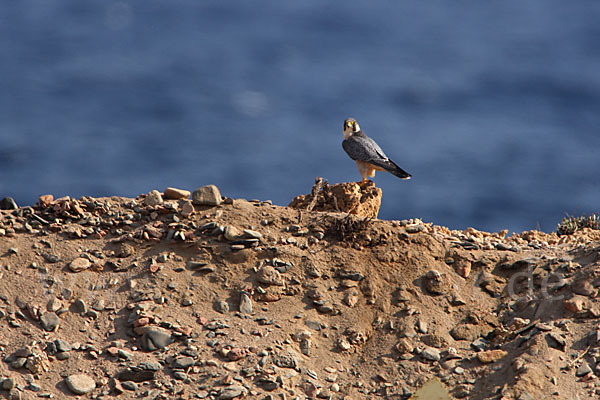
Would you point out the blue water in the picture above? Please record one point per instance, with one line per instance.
(494, 106)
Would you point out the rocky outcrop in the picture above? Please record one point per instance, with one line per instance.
(362, 199)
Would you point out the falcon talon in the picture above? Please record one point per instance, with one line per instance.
(368, 155)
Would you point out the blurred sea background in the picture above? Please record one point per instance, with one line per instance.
(493, 107)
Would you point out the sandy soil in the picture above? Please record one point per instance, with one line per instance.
(162, 299)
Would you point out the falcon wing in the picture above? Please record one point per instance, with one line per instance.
(363, 148)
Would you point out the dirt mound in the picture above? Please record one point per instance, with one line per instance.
(165, 299)
(362, 199)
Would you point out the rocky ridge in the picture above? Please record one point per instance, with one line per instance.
(162, 297)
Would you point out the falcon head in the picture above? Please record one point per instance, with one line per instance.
(350, 127)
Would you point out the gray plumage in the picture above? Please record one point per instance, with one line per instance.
(362, 148)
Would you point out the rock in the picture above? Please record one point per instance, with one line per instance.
(207, 196)
(491, 356)
(305, 345)
(431, 354)
(80, 383)
(575, 304)
(153, 199)
(187, 208)
(236, 354)
(363, 200)
(232, 233)
(351, 298)
(155, 338)
(54, 305)
(136, 375)
(583, 369)
(232, 392)
(46, 200)
(8, 383)
(404, 346)
(62, 345)
(245, 303)
(269, 276)
(463, 267)
(79, 264)
(435, 283)
(466, 332)
(79, 306)
(176, 194)
(50, 321)
(8, 203)
(221, 306)
(129, 385)
(183, 363)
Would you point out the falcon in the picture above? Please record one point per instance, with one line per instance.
(368, 155)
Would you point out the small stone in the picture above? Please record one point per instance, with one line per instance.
(156, 338)
(46, 200)
(583, 369)
(50, 321)
(305, 346)
(129, 385)
(232, 392)
(491, 356)
(463, 267)
(249, 233)
(422, 326)
(136, 376)
(80, 383)
(221, 306)
(153, 199)
(236, 354)
(176, 194)
(54, 305)
(269, 276)
(183, 362)
(351, 298)
(245, 303)
(62, 345)
(79, 306)
(8, 383)
(431, 354)
(187, 208)
(575, 304)
(207, 196)
(232, 233)
(79, 264)
(8, 203)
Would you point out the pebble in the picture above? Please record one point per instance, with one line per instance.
(222, 306)
(79, 306)
(183, 362)
(575, 304)
(232, 392)
(431, 354)
(207, 196)
(79, 264)
(269, 276)
(153, 199)
(80, 383)
(583, 369)
(129, 385)
(245, 303)
(50, 321)
(176, 194)
(155, 338)
(491, 356)
(187, 208)
(8, 203)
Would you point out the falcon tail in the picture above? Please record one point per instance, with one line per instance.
(393, 169)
